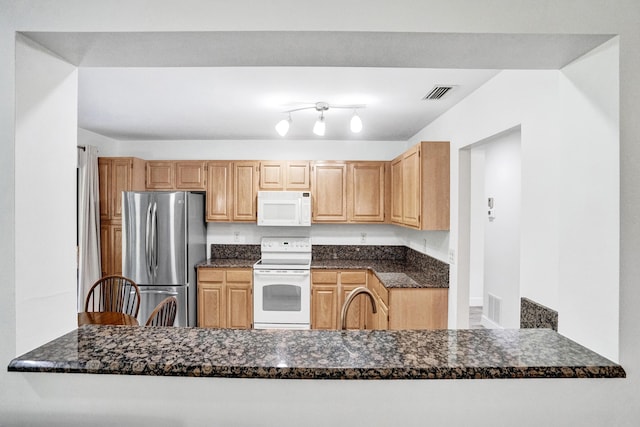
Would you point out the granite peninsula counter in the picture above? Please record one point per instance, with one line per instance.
(314, 354)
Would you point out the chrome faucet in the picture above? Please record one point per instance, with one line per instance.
(354, 293)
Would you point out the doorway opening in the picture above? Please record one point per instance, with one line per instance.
(491, 180)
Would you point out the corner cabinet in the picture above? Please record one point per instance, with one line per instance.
(225, 298)
(407, 308)
(420, 187)
(115, 175)
(329, 290)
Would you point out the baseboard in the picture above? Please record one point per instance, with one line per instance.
(489, 324)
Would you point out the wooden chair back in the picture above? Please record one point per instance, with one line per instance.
(114, 293)
(164, 314)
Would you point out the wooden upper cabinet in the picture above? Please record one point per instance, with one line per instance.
(219, 191)
(411, 188)
(190, 175)
(366, 191)
(272, 175)
(176, 175)
(420, 187)
(284, 175)
(160, 175)
(329, 183)
(115, 175)
(396, 190)
(245, 190)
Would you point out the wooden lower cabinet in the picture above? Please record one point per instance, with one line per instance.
(225, 298)
(329, 290)
(408, 308)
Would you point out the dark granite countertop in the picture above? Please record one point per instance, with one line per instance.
(392, 274)
(315, 354)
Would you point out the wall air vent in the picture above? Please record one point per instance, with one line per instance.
(495, 309)
(438, 92)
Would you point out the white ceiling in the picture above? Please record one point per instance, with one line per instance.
(235, 85)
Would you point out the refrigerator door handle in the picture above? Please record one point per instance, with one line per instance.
(170, 293)
(154, 242)
(147, 240)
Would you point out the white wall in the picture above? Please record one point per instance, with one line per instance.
(560, 253)
(589, 201)
(57, 399)
(502, 233)
(477, 218)
(46, 127)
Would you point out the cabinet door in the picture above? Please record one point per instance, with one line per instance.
(239, 301)
(411, 188)
(111, 248)
(160, 175)
(245, 185)
(366, 191)
(115, 239)
(297, 175)
(105, 250)
(239, 306)
(190, 175)
(210, 305)
(218, 191)
(396, 190)
(104, 191)
(329, 192)
(121, 170)
(272, 175)
(324, 307)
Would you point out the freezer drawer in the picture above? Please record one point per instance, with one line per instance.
(150, 297)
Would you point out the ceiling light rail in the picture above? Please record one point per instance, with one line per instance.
(319, 127)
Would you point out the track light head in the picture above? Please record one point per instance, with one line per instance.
(283, 126)
(320, 126)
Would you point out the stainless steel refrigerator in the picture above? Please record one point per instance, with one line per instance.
(163, 237)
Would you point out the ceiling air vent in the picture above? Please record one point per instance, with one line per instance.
(437, 92)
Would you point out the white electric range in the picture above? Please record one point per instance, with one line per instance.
(282, 284)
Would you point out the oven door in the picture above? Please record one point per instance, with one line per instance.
(281, 297)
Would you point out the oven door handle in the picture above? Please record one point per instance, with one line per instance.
(282, 272)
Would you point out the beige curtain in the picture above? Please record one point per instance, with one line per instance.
(89, 268)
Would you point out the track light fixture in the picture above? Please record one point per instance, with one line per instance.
(319, 127)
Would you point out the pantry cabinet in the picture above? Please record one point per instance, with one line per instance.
(420, 187)
(225, 298)
(115, 175)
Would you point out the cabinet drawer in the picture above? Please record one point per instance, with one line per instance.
(210, 275)
(324, 277)
(239, 276)
(353, 277)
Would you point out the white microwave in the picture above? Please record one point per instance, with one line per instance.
(284, 208)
